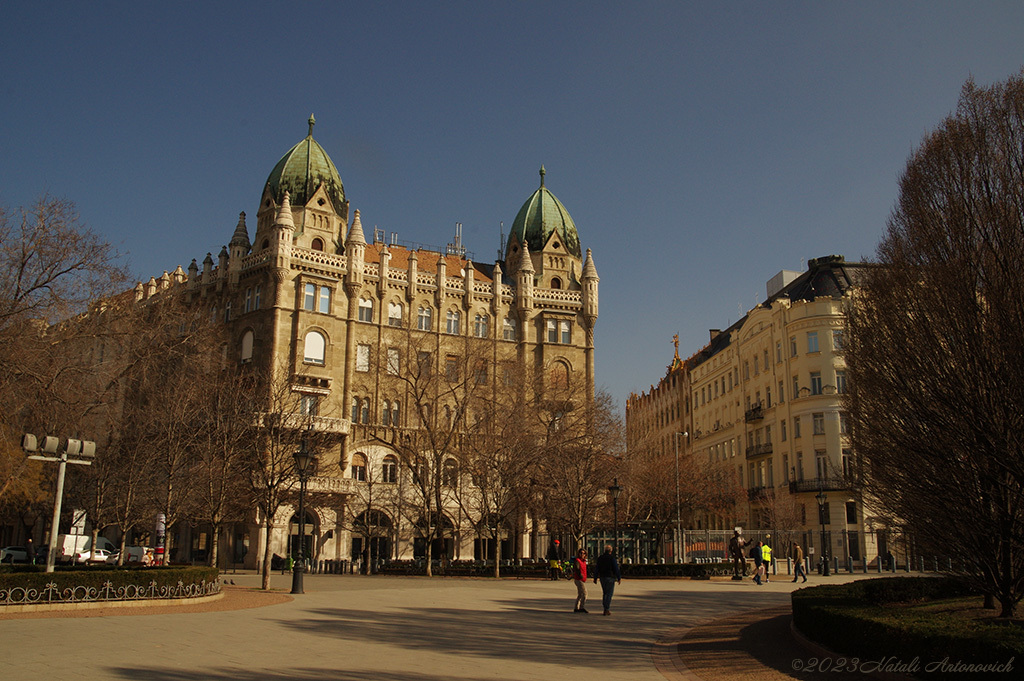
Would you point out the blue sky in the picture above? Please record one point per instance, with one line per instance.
(700, 148)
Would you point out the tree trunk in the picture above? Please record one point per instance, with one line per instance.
(497, 557)
(268, 526)
(212, 559)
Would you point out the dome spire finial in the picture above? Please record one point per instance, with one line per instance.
(312, 122)
(542, 173)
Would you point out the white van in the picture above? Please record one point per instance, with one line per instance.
(70, 545)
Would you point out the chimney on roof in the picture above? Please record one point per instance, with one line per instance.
(715, 333)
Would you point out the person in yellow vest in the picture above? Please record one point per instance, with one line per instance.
(766, 558)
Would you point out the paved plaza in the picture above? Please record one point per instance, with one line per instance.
(356, 628)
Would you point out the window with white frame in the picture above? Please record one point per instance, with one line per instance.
(325, 300)
(389, 469)
(796, 386)
(355, 410)
(394, 314)
(796, 426)
(309, 405)
(453, 322)
(362, 357)
(812, 341)
(552, 328)
(314, 348)
(359, 467)
(396, 412)
(821, 464)
(837, 340)
(818, 420)
(481, 325)
(815, 382)
(424, 319)
(844, 423)
(792, 346)
(508, 330)
(799, 465)
(365, 310)
(394, 365)
(782, 430)
(309, 297)
(566, 331)
(364, 411)
(841, 381)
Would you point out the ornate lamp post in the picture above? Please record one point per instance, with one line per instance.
(822, 498)
(304, 460)
(615, 489)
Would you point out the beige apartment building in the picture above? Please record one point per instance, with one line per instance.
(766, 404)
(344, 311)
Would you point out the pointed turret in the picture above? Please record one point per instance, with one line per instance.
(414, 270)
(356, 252)
(524, 280)
(590, 281)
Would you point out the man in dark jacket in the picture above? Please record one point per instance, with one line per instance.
(758, 556)
(609, 575)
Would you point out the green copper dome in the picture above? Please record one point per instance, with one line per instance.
(540, 216)
(302, 169)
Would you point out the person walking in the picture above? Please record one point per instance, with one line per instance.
(555, 560)
(739, 562)
(766, 557)
(609, 574)
(579, 578)
(758, 555)
(797, 554)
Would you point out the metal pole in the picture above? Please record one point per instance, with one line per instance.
(679, 529)
(298, 566)
(51, 553)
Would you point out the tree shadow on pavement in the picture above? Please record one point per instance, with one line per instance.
(296, 674)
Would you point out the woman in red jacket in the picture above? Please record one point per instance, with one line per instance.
(579, 577)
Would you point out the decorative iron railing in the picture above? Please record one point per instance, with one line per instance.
(52, 593)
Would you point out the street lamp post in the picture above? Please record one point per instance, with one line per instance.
(822, 498)
(76, 452)
(679, 526)
(303, 465)
(615, 489)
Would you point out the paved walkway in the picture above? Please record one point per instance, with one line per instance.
(353, 628)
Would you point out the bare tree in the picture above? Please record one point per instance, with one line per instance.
(933, 345)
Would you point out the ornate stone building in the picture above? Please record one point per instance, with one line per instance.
(345, 313)
(764, 399)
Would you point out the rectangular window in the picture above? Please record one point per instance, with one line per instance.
(423, 319)
(837, 340)
(847, 464)
(792, 346)
(812, 341)
(785, 468)
(362, 357)
(309, 297)
(481, 373)
(778, 352)
(782, 397)
(325, 300)
(394, 361)
(799, 466)
(821, 464)
(818, 419)
(566, 332)
(423, 362)
(844, 423)
(227, 311)
(815, 382)
(552, 331)
(451, 368)
(796, 427)
(359, 471)
(365, 310)
(248, 299)
(256, 298)
(454, 322)
(508, 331)
(309, 405)
(782, 431)
(796, 387)
(851, 512)
(841, 381)
(394, 314)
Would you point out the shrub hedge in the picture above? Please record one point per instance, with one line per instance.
(901, 618)
(34, 577)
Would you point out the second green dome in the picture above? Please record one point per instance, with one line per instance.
(301, 171)
(542, 215)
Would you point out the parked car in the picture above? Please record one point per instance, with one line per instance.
(14, 554)
(90, 556)
(134, 555)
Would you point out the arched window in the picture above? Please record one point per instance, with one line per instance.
(365, 412)
(247, 345)
(508, 331)
(359, 467)
(395, 414)
(394, 314)
(425, 319)
(385, 413)
(556, 282)
(559, 375)
(317, 245)
(481, 325)
(355, 409)
(389, 469)
(454, 322)
(315, 346)
(365, 310)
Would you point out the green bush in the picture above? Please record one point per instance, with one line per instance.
(862, 620)
(149, 579)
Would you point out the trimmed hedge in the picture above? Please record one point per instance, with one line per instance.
(36, 578)
(902, 618)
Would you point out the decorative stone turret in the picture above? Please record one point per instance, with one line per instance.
(178, 275)
(414, 272)
(496, 302)
(239, 246)
(356, 251)
(382, 280)
(207, 268)
(467, 283)
(284, 233)
(442, 281)
(590, 281)
(193, 274)
(524, 280)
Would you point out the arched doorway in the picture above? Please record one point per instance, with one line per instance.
(371, 537)
(443, 544)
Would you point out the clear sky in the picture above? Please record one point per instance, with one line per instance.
(699, 147)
